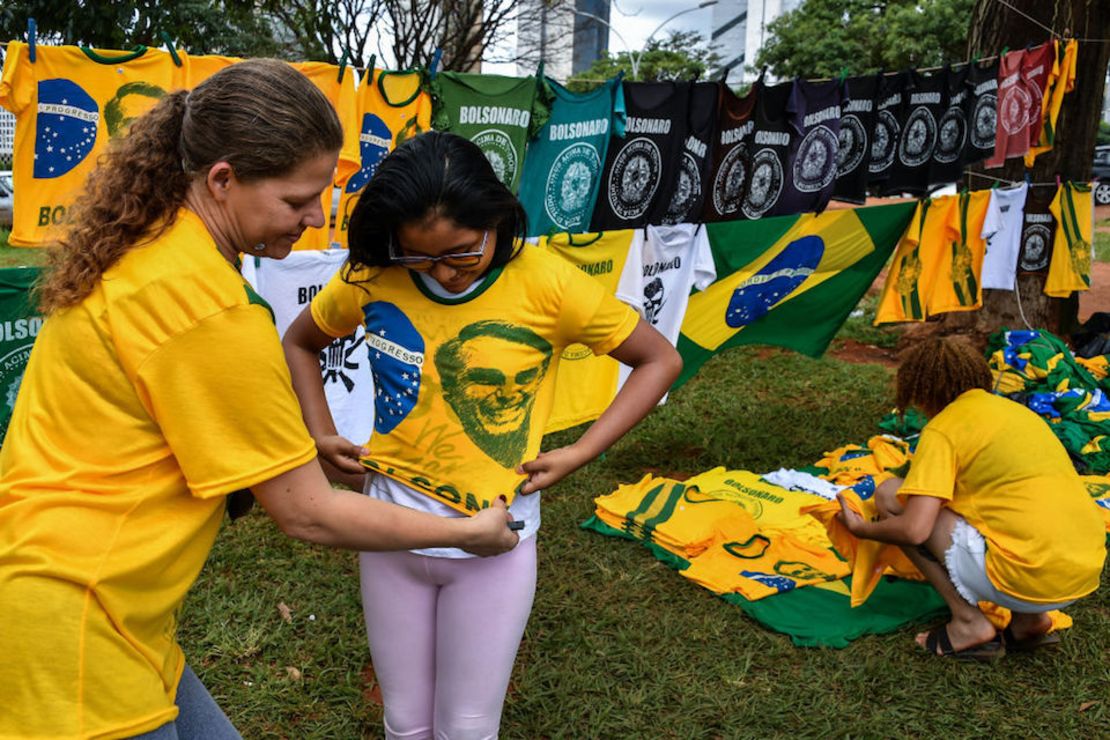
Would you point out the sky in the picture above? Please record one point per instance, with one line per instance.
(634, 20)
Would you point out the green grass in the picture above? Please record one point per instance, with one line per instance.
(1102, 243)
(860, 328)
(620, 646)
(18, 256)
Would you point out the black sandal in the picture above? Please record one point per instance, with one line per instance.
(992, 649)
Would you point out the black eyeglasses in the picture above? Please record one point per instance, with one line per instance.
(422, 263)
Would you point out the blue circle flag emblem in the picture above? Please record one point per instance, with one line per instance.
(373, 145)
(755, 297)
(396, 352)
(65, 128)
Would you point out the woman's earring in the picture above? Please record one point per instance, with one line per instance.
(260, 247)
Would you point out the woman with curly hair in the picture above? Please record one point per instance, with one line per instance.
(156, 388)
(991, 510)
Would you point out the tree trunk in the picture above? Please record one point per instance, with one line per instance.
(994, 26)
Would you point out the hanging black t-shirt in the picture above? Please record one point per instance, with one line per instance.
(1038, 231)
(683, 202)
(982, 112)
(732, 155)
(857, 121)
(951, 149)
(928, 99)
(642, 165)
(770, 150)
(814, 111)
(889, 115)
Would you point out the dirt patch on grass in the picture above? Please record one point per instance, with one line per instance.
(849, 350)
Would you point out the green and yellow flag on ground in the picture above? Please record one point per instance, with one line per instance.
(789, 281)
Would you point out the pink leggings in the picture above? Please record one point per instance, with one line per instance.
(443, 637)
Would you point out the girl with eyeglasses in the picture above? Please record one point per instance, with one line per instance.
(465, 326)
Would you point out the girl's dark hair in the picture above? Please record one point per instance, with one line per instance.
(434, 175)
(936, 371)
(261, 116)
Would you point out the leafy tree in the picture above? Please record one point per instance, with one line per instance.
(1103, 136)
(683, 55)
(821, 38)
(199, 26)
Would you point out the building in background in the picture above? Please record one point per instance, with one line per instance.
(740, 31)
(556, 32)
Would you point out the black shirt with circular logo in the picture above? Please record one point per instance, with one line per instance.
(681, 199)
(853, 153)
(770, 150)
(927, 101)
(1038, 231)
(637, 166)
(982, 111)
(950, 152)
(889, 116)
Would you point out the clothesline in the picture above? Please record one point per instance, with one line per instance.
(1011, 182)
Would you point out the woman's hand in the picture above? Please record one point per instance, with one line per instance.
(551, 467)
(491, 534)
(342, 453)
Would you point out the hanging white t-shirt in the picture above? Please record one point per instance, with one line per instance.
(676, 259)
(288, 285)
(1002, 232)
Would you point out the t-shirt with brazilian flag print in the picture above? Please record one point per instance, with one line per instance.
(1070, 267)
(918, 262)
(562, 170)
(69, 103)
(108, 512)
(587, 383)
(463, 387)
(789, 281)
(499, 114)
(392, 107)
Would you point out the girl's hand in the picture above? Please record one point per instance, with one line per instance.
(551, 467)
(342, 453)
(490, 533)
(849, 518)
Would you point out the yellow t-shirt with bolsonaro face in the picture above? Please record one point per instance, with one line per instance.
(141, 408)
(998, 465)
(463, 386)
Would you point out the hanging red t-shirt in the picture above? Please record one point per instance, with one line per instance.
(1015, 105)
(1036, 66)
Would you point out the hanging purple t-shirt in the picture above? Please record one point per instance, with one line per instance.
(814, 111)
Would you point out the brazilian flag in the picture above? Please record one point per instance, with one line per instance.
(790, 281)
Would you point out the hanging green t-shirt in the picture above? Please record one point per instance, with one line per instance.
(562, 171)
(19, 325)
(497, 113)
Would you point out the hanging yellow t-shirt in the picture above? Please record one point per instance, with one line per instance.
(1070, 267)
(131, 427)
(203, 66)
(976, 455)
(391, 108)
(957, 288)
(760, 563)
(587, 383)
(918, 261)
(340, 91)
(1061, 81)
(463, 386)
(68, 104)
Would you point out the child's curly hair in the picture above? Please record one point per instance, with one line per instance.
(936, 371)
